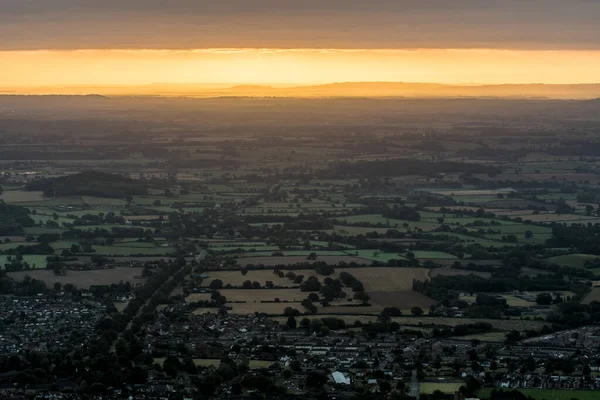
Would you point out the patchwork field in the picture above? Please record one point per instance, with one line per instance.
(385, 285)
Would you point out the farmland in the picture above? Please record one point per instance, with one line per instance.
(376, 238)
(84, 279)
(386, 287)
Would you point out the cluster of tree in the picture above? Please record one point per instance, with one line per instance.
(26, 287)
(322, 268)
(13, 219)
(311, 284)
(351, 281)
(441, 287)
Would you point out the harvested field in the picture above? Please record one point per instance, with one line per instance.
(84, 279)
(251, 308)
(258, 295)
(387, 287)
(402, 299)
(594, 295)
(235, 278)
(278, 308)
(21, 196)
(385, 279)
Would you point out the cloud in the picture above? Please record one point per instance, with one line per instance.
(191, 24)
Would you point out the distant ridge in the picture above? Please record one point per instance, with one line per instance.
(338, 89)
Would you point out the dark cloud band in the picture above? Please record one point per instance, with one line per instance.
(185, 24)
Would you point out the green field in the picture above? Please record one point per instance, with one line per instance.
(549, 394)
(34, 261)
(434, 255)
(444, 387)
(572, 260)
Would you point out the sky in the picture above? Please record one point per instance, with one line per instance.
(65, 42)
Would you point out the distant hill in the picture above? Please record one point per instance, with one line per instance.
(89, 183)
(341, 89)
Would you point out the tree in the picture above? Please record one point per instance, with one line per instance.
(122, 347)
(385, 386)
(362, 296)
(589, 209)
(291, 322)
(310, 307)
(416, 311)
(586, 370)
(528, 234)
(512, 337)
(544, 299)
(57, 286)
(216, 284)
(315, 380)
(244, 271)
(313, 297)
(291, 312)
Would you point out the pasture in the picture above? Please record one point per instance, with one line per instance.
(442, 386)
(572, 260)
(34, 261)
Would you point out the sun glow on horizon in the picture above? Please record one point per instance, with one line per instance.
(295, 66)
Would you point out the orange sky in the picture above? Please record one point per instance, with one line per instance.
(296, 66)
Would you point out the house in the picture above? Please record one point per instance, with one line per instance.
(339, 378)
